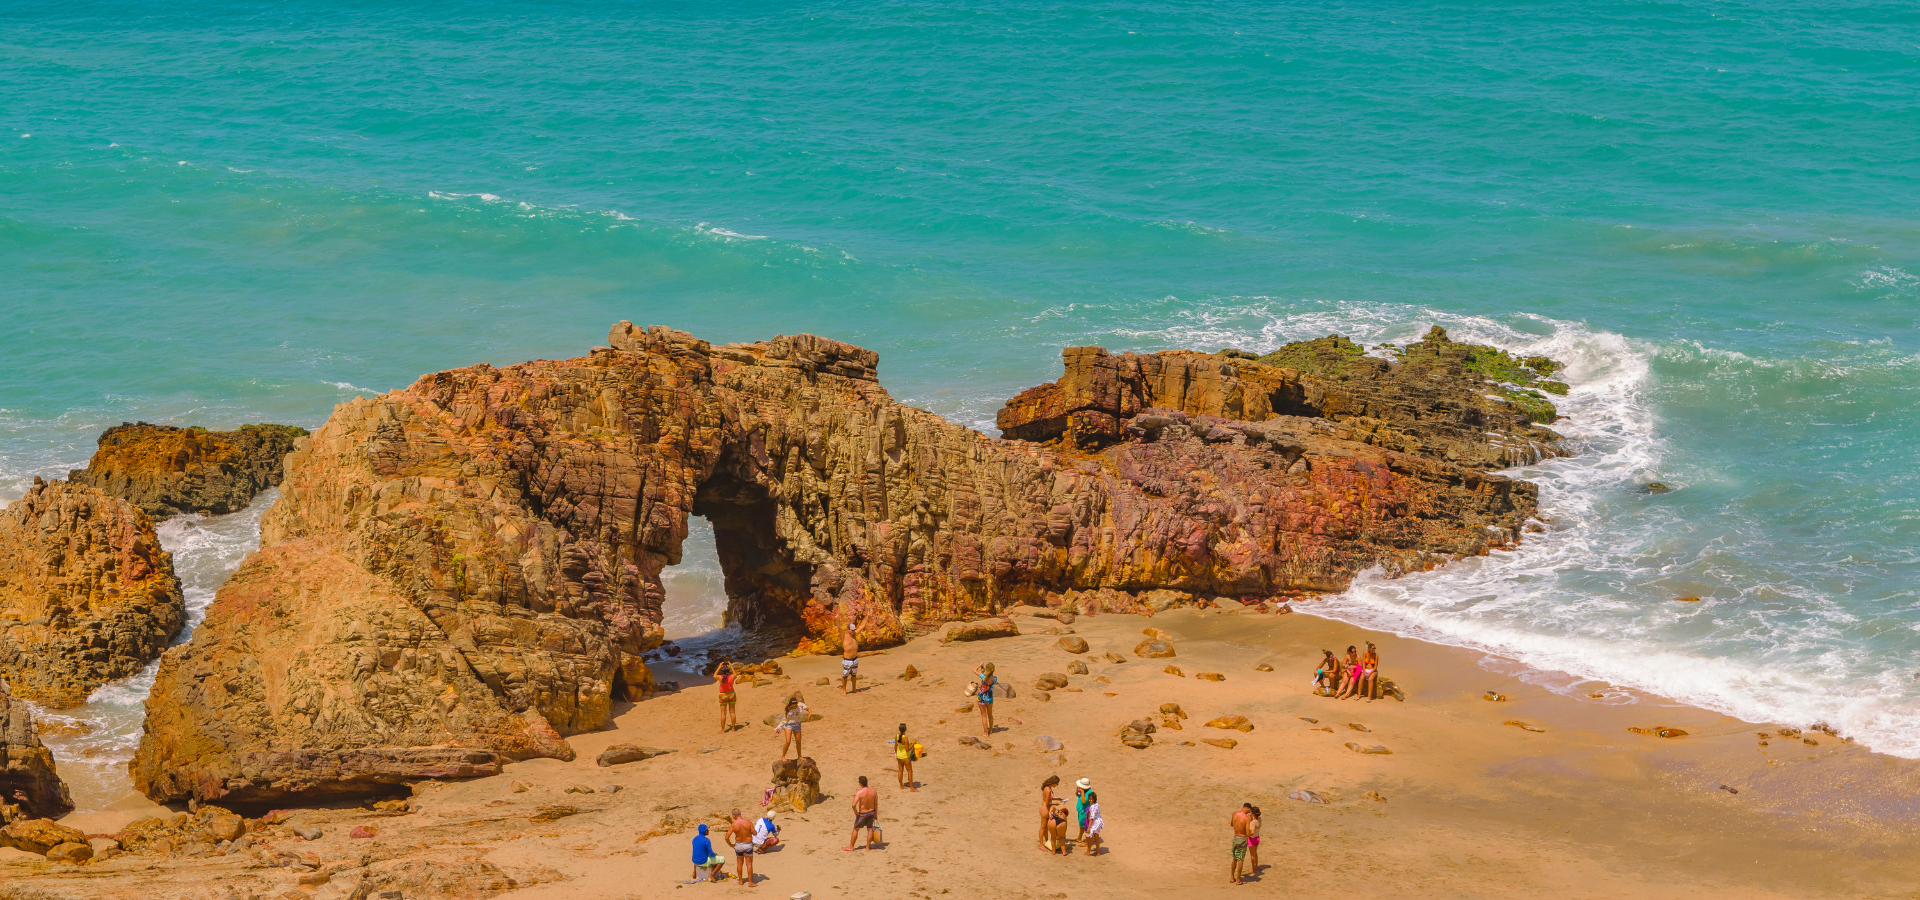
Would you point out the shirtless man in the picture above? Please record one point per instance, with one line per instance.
(1240, 819)
(849, 661)
(740, 835)
(866, 814)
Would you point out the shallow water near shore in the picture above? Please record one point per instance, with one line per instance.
(214, 215)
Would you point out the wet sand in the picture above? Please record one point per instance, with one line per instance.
(1473, 807)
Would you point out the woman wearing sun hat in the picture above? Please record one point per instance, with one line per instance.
(1080, 789)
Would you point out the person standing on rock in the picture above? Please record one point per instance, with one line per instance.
(849, 660)
(729, 701)
(1240, 818)
(866, 814)
(791, 720)
(740, 834)
(982, 690)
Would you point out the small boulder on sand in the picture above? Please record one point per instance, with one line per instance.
(1157, 635)
(1073, 644)
(626, 753)
(1222, 743)
(1076, 668)
(985, 629)
(910, 674)
(1052, 681)
(1172, 709)
(1263, 667)
(70, 852)
(39, 835)
(1211, 676)
(1175, 670)
(1375, 749)
(1153, 650)
(1237, 723)
(1113, 657)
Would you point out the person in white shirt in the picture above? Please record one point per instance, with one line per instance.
(765, 833)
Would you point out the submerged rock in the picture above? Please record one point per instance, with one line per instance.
(86, 594)
(166, 471)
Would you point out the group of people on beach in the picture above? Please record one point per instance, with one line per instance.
(1054, 817)
(1356, 675)
(748, 838)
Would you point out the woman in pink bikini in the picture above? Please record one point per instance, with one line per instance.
(1352, 664)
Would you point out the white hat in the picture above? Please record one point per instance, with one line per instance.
(768, 814)
(1084, 783)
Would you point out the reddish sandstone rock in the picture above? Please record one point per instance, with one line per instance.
(980, 631)
(471, 566)
(26, 766)
(166, 470)
(39, 835)
(86, 594)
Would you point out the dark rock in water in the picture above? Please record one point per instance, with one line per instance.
(166, 470)
(26, 765)
(89, 596)
(1655, 487)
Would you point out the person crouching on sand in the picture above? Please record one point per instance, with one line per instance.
(866, 814)
(791, 720)
(982, 690)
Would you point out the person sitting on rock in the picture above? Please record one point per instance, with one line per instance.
(1326, 679)
(706, 863)
(791, 720)
(1370, 673)
(1350, 674)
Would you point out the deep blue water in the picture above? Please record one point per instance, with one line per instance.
(223, 213)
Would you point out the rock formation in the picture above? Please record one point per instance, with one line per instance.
(29, 786)
(86, 594)
(166, 470)
(471, 566)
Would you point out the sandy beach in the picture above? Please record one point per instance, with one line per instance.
(1574, 804)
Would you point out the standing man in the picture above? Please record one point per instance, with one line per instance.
(729, 701)
(866, 814)
(1240, 818)
(849, 660)
(740, 834)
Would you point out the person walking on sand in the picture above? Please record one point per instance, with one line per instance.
(982, 690)
(1370, 673)
(1090, 832)
(849, 660)
(1047, 802)
(729, 701)
(903, 754)
(740, 834)
(1253, 841)
(866, 814)
(791, 720)
(1239, 821)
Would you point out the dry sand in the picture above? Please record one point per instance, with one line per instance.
(1473, 807)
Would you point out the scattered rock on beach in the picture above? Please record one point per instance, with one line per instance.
(1236, 723)
(1524, 726)
(1375, 749)
(1157, 635)
(1073, 644)
(579, 789)
(1263, 667)
(1136, 740)
(367, 831)
(1309, 721)
(1222, 743)
(971, 741)
(1494, 696)
(1113, 657)
(1051, 681)
(1211, 676)
(1172, 709)
(1375, 797)
(1306, 796)
(985, 629)
(1153, 650)
(910, 674)
(1358, 727)
(1076, 668)
(39, 835)
(823, 681)
(1175, 670)
(71, 852)
(626, 753)
(1042, 696)
(1663, 731)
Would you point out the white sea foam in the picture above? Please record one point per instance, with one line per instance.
(352, 387)
(724, 234)
(1587, 600)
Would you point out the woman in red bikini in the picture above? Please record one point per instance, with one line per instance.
(729, 701)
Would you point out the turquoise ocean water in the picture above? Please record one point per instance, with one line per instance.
(226, 213)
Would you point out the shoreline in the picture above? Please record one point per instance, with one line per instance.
(1473, 806)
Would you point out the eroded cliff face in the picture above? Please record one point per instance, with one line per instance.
(473, 564)
(166, 470)
(86, 594)
(29, 786)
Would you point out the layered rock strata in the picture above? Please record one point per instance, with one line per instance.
(166, 470)
(86, 594)
(472, 564)
(29, 786)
